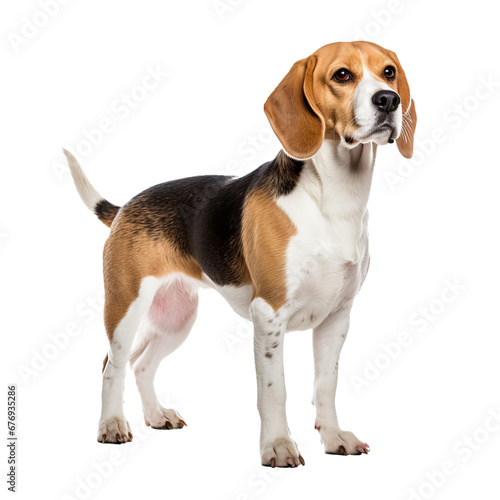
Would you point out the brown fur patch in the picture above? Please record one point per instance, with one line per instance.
(104, 363)
(129, 256)
(266, 231)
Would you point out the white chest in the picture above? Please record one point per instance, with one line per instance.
(327, 259)
(326, 265)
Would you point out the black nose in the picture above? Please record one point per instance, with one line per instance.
(386, 100)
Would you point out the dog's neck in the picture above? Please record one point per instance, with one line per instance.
(344, 178)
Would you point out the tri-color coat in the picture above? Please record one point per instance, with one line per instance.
(286, 245)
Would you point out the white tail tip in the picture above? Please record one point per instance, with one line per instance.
(87, 192)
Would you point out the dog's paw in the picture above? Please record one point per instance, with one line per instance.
(282, 452)
(114, 430)
(337, 442)
(162, 418)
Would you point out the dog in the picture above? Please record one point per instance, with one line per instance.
(285, 245)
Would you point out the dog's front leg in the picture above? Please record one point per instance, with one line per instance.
(277, 448)
(328, 339)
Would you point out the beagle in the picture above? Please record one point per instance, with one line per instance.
(286, 245)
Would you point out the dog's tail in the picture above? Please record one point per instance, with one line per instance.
(105, 211)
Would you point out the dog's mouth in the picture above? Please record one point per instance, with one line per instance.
(374, 133)
(386, 127)
(382, 129)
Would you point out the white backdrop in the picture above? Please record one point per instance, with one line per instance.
(419, 371)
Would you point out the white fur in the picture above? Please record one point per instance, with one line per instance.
(156, 344)
(276, 444)
(87, 192)
(366, 113)
(112, 425)
(328, 207)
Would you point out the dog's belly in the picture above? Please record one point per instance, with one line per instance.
(238, 297)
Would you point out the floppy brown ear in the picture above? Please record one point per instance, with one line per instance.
(405, 140)
(293, 114)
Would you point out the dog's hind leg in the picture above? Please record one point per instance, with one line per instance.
(123, 313)
(168, 323)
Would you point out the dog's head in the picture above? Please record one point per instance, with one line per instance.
(354, 92)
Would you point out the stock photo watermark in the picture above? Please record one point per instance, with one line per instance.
(452, 119)
(242, 332)
(462, 451)
(380, 20)
(85, 313)
(100, 471)
(32, 25)
(248, 149)
(224, 7)
(258, 482)
(12, 437)
(120, 110)
(419, 322)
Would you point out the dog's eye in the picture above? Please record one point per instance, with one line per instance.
(390, 72)
(342, 75)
